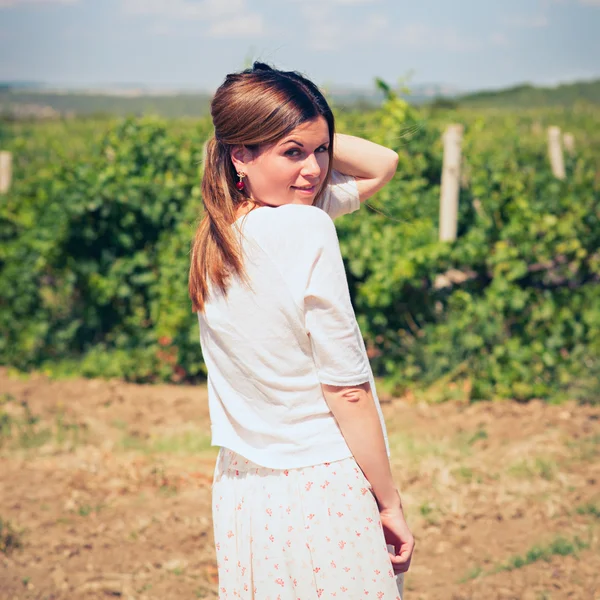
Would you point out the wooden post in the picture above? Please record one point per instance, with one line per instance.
(5, 171)
(204, 149)
(569, 143)
(555, 151)
(450, 182)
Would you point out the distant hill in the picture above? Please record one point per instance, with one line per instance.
(31, 100)
(36, 100)
(526, 95)
(20, 102)
(419, 94)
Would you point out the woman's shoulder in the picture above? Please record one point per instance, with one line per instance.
(291, 228)
(293, 218)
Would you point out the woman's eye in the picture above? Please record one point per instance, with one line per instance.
(293, 151)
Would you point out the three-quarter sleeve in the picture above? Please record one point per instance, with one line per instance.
(337, 345)
(340, 196)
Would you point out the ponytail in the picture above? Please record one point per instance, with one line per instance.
(216, 253)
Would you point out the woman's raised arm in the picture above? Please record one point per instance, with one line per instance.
(371, 164)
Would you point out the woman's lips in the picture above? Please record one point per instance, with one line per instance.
(309, 190)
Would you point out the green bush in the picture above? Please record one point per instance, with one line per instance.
(93, 258)
(95, 238)
(525, 323)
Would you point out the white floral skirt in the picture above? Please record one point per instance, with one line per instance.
(298, 534)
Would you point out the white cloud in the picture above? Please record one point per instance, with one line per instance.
(164, 30)
(225, 19)
(328, 32)
(240, 26)
(324, 32)
(419, 35)
(582, 2)
(527, 21)
(185, 9)
(499, 39)
(322, 3)
(18, 3)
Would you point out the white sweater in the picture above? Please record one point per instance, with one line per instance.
(268, 349)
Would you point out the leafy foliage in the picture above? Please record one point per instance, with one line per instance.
(93, 258)
(95, 237)
(525, 322)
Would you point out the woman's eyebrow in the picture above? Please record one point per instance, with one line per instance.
(300, 144)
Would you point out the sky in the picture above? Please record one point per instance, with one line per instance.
(193, 44)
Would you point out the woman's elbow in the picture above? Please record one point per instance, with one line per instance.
(392, 165)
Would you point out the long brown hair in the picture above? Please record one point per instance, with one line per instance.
(258, 106)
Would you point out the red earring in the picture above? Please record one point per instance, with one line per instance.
(240, 185)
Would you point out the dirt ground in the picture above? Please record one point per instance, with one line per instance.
(105, 492)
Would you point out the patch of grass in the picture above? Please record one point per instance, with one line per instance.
(545, 468)
(417, 447)
(187, 442)
(10, 538)
(466, 474)
(5, 418)
(168, 490)
(463, 442)
(135, 443)
(521, 469)
(558, 547)
(480, 434)
(20, 428)
(474, 573)
(585, 449)
(86, 509)
(539, 467)
(590, 509)
(425, 509)
(429, 512)
(67, 433)
(420, 447)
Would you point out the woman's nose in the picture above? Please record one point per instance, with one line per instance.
(311, 167)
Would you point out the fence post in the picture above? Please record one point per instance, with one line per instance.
(450, 182)
(555, 151)
(569, 143)
(5, 171)
(204, 152)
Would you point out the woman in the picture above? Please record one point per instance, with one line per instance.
(304, 505)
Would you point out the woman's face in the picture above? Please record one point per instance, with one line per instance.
(292, 170)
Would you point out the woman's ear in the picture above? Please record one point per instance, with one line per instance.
(240, 157)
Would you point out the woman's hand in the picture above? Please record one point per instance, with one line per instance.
(398, 535)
